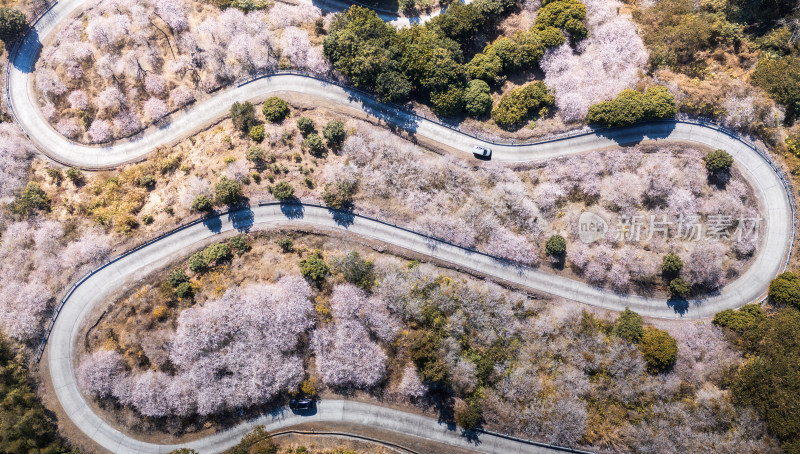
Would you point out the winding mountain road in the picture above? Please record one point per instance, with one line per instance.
(776, 232)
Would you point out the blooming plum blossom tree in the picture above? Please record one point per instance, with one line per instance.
(99, 131)
(155, 109)
(79, 100)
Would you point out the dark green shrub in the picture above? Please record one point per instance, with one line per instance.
(486, 66)
(770, 380)
(147, 181)
(227, 191)
(286, 244)
(177, 277)
(629, 326)
(257, 133)
(448, 102)
(12, 24)
(631, 107)
(25, 426)
(423, 348)
(55, 175)
(355, 270)
(746, 317)
(184, 290)
(314, 144)
(188, 450)
(334, 133)
(517, 106)
(243, 115)
(785, 290)
(240, 244)
(283, 191)
(781, 79)
(660, 350)
(469, 415)
(679, 288)
(477, 98)
(147, 219)
(74, 175)
(275, 109)
(339, 195)
(391, 86)
(314, 267)
(305, 125)
(202, 203)
(32, 199)
(198, 263)
(564, 14)
(671, 265)
(556, 246)
(217, 253)
(718, 161)
(255, 155)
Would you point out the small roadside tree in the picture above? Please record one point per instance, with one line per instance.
(305, 125)
(660, 350)
(785, 289)
(314, 267)
(679, 288)
(243, 115)
(275, 109)
(202, 203)
(556, 246)
(12, 24)
(629, 326)
(718, 161)
(334, 133)
(671, 265)
(228, 192)
(283, 191)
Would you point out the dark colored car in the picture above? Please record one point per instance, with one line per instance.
(302, 403)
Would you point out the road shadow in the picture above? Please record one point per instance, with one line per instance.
(242, 220)
(638, 133)
(31, 39)
(213, 223)
(394, 116)
(343, 218)
(293, 210)
(679, 305)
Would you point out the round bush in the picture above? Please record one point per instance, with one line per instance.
(228, 192)
(785, 290)
(629, 326)
(275, 109)
(12, 23)
(314, 143)
(202, 203)
(679, 288)
(659, 349)
(243, 115)
(283, 191)
(314, 267)
(718, 161)
(257, 133)
(556, 246)
(177, 277)
(148, 181)
(477, 100)
(198, 262)
(184, 290)
(255, 154)
(305, 125)
(334, 133)
(671, 265)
